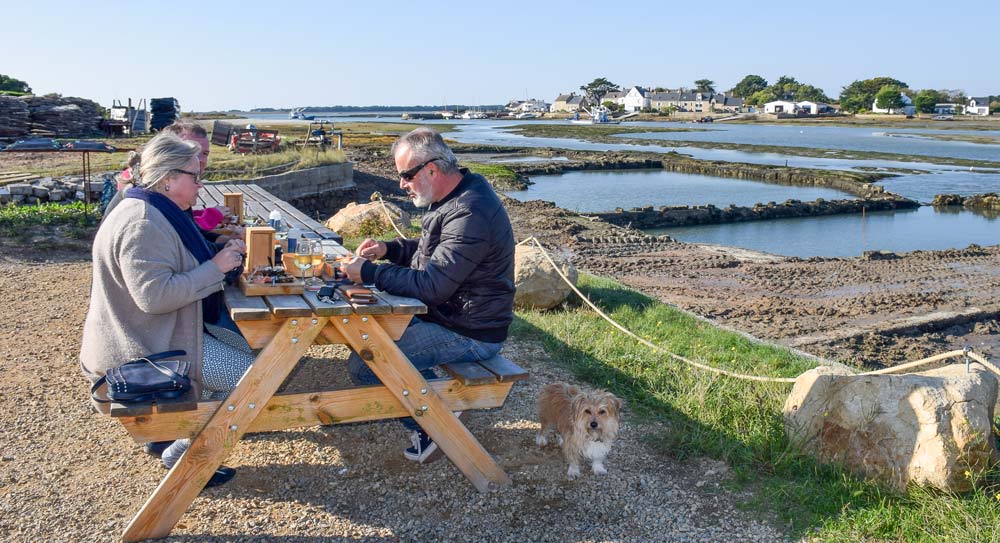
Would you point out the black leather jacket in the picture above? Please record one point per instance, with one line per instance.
(463, 265)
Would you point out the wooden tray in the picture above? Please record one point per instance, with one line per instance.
(250, 289)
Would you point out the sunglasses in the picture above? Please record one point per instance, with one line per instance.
(195, 176)
(408, 175)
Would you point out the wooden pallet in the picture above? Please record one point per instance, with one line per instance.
(8, 178)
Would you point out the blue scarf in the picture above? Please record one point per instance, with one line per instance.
(191, 237)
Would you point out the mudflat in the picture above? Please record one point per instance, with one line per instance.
(877, 310)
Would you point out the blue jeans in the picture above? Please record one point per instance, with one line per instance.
(427, 344)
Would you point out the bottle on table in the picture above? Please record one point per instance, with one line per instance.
(293, 238)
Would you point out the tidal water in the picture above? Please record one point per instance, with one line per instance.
(593, 191)
(924, 228)
(842, 235)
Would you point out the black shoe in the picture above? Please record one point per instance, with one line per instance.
(221, 476)
(422, 449)
(156, 448)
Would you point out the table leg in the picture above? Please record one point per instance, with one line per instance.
(376, 348)
(221, 433)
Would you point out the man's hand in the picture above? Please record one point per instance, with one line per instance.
(352, 269)
(371, 249)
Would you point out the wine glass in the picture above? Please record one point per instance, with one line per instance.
(303, 257)
(316, 250)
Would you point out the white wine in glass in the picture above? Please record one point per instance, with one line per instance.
(315, 283)
(303, 257)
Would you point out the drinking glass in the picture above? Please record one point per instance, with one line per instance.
(303, 257)
(316, 251)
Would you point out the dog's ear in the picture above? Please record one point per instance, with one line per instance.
(615, 402)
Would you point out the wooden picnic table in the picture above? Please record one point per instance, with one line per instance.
(258, 204)
(284, 327)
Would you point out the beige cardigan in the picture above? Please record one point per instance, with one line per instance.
(146, 292)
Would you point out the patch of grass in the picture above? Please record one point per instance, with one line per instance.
(740, 422)
(500, 176)
(78, 218)
(377, 230)
(224, 165)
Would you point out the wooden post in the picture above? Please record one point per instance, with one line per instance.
(215, 441)
(393, 368)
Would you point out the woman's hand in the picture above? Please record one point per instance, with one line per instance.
(371, 249)
(230, 257)
(238, 244)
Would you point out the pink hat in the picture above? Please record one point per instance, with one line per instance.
(208, 218)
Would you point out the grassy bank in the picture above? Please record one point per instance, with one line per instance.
(499, 175)
(223, 165)
(740, 422)
(613, 134)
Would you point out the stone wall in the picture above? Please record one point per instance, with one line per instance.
(314, 189)
(665, 216)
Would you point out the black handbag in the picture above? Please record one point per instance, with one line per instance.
(144, 379)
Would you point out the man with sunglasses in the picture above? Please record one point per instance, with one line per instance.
(462, 267)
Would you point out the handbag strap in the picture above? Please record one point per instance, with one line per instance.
(151, 359)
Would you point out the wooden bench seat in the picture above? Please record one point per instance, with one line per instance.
(495, 370)
(477, 385)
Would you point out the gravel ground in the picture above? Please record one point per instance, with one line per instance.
(67, 474)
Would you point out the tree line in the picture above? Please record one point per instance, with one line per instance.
(857, 97)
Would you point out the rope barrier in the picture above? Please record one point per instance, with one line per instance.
(968, 353)
(392, 221)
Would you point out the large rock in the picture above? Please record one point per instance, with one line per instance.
(538, 285)
(352, 220)
(930, 428)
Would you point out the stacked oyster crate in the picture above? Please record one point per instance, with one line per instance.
(63, 117)
(14, 118)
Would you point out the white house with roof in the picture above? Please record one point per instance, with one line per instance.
(814, 108)
(636, 99)
(907, 109)
(948, 109)
(806, 107)
(978, 106)
(532, 106)
(781, 106)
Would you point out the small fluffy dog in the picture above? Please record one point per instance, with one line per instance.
(586, 423)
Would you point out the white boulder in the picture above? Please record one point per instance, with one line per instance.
(349, 221)
(931, 428)
(538, 285)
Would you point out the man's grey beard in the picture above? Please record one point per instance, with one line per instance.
(421, 200)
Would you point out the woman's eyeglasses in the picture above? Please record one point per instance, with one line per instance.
(195, 176)
(408, 175)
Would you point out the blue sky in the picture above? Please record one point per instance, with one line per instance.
(231, 55)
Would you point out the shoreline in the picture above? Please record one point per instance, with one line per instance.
(607, 135)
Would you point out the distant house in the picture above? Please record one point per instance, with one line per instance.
(978, 106)
(617, 97)
(532, 106)
(814, 108)
(722, 102)
(948, 109)
(907, 109)
(781, 106)
(636, 100)
(567, 103)
(804, 107)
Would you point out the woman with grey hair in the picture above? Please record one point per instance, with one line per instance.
(157, 282)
